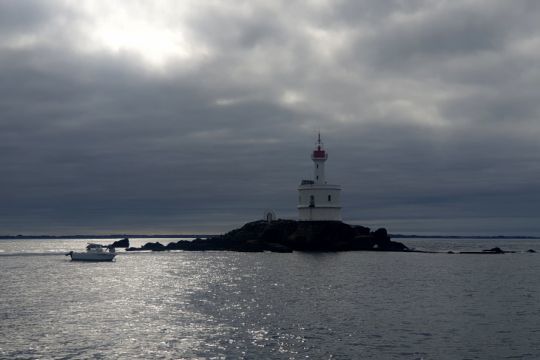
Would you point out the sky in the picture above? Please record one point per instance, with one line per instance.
(160, 117)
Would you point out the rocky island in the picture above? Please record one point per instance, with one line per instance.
(319, 227)
(287, 236)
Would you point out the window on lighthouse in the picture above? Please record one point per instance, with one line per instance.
(329, 197)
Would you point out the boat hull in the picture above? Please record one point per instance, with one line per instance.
(92, 257)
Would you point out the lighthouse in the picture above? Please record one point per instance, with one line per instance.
(318, 200)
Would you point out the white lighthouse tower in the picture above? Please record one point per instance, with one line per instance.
(317, 200)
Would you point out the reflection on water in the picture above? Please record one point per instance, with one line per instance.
(264, 305)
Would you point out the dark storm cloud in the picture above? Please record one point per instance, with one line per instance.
(429, 111)
(440, 34)
(24, 16)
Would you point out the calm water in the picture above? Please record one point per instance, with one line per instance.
(265, 305)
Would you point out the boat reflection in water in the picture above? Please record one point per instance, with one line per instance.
(94, 252)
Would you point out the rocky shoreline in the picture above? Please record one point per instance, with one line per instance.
(287, 236)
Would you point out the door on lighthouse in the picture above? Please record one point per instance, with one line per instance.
(312, 201)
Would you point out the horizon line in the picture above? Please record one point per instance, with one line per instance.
(148, 236)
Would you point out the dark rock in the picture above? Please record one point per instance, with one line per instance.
(531, 251)
(496, 250)
(278, 248)
(392, 246)
(124, 243)
(361, 230)
(381, 235)
(493, 251)
(321, 236)
(153, 246)
(288, 236)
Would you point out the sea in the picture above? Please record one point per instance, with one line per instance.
(230, 305)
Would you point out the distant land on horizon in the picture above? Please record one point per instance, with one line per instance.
(412, 236)
(172, 236)
(110, 236)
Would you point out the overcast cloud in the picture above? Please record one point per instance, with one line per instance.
(195, 116)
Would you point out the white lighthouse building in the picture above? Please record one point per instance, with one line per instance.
(318, 200)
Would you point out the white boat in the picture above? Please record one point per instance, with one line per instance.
(94, 252)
